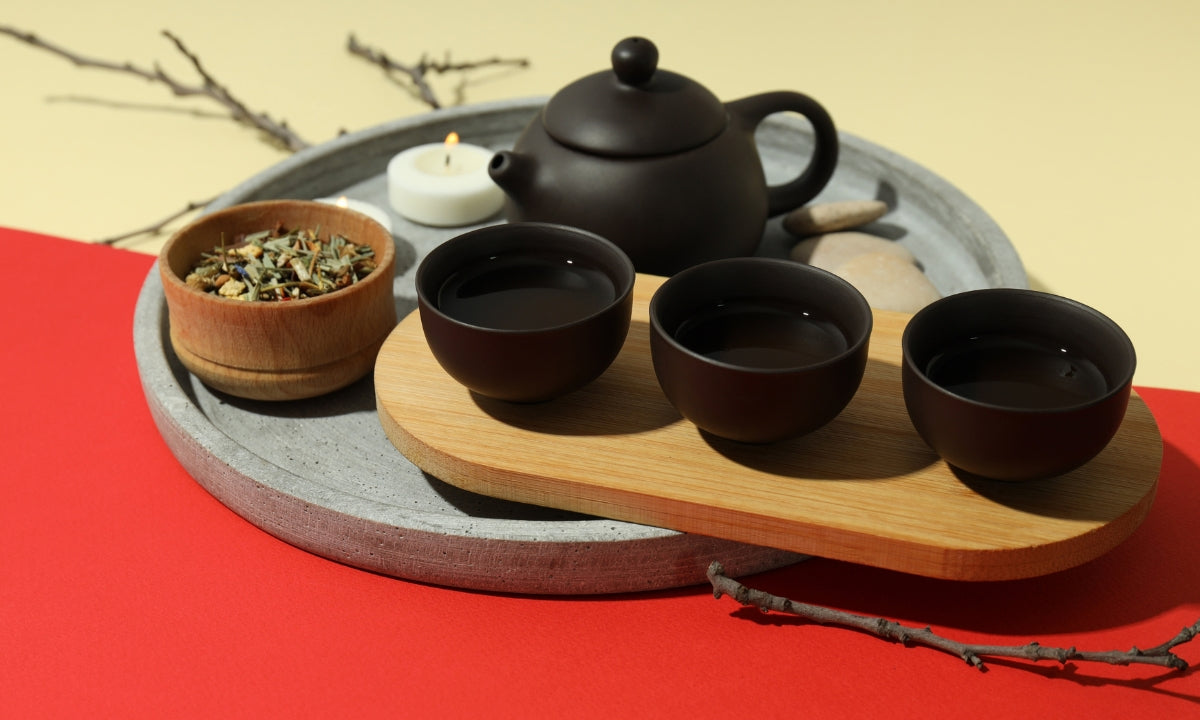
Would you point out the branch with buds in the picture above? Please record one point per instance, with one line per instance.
(277, 132)
(418, 74)
(1160, 655)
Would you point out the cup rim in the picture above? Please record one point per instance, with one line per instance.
(853, 348)
(1120, 385)
(623, 285)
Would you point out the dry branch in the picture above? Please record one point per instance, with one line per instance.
(418, 74)
(1160, 655)
(277, 131)
(157, 227)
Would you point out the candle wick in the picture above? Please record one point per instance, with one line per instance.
(447, 159)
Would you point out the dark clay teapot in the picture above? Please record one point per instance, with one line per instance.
(657, 164)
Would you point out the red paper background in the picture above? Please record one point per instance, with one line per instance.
(125, 588)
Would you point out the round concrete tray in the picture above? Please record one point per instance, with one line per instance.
(321, 474)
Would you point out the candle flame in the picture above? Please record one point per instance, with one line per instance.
(451, 141)
(342, 202)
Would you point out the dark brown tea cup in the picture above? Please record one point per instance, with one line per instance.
(759, 350)
(525, 312)
(1015, 384)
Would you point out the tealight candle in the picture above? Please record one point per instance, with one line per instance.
(375, 213)
(443, 184)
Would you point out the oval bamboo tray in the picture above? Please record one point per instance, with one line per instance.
(865, 488)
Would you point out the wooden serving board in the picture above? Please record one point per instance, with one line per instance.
(864, 489)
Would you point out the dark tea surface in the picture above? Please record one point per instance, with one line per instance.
(762, 334)
(1017, 371)
(525, 291)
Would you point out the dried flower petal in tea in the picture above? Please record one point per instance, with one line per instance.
(281, 264)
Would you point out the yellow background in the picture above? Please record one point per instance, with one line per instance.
(1073, 124)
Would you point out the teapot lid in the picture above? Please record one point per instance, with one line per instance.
(634, 110)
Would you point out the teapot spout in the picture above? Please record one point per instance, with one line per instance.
(513, 172)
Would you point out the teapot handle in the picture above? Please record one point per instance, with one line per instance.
(752, 110)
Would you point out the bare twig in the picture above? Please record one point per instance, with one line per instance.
(277, 131)
(156, 228)
(417, 74)
(973, 655)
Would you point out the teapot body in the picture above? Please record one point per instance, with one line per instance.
(657, 164)
(667, 212)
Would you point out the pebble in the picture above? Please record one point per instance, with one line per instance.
(833, 216)
(888, 282)
(830, 250)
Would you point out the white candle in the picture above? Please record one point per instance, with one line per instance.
(375, 213)
(443, 184)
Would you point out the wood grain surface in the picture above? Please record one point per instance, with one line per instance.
(864, 489)
(278, 350)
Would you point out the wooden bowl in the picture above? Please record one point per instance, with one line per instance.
(272, 350)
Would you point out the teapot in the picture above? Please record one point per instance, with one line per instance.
(654, 162)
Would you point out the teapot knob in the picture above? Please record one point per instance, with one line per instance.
(634, 60)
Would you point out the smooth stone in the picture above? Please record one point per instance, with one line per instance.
(833, 216)
(889, 282)
(831, 250)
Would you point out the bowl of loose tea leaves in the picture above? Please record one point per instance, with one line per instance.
(281, 299)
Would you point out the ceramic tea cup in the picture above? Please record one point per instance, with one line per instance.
(1015, 384)
(756, 349)
(525, 312)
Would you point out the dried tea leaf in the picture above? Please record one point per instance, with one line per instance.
(280, 264)
(232, 289)
(257, 237)
(300, 270)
